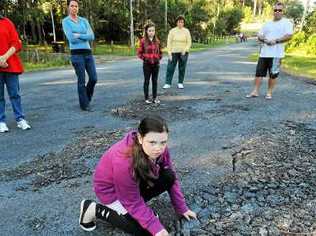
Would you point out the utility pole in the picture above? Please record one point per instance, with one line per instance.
(132, 24)
(166, 15)
(53, 21)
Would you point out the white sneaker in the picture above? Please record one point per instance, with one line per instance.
(157, 101)
(166, 86)
(180, 86)
(22, 124)
(3, 127)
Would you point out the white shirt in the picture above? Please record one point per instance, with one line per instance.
(273, 30)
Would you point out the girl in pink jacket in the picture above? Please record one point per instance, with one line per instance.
(130, 173)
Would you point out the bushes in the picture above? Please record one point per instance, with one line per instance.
(297, 40)
(305, 41)
(303, 44)
(311, 45)
(35, 59)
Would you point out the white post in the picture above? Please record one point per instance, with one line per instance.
(53, 23)
(132, 24)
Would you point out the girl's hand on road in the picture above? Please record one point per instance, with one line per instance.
(190, 215)
(162, 233)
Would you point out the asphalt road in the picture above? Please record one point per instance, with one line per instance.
(216, 119)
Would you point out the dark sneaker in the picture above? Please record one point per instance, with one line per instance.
(87, 108)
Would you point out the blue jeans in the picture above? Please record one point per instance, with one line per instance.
(11, 81)
(81, 64)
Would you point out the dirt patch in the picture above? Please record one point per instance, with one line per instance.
(170, 110)
(178, 108)
(72, 162)
(271, 192)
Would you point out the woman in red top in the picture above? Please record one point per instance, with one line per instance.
(150, 52)
(10, 68)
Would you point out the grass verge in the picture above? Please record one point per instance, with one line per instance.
(296, 64)
(44, 59)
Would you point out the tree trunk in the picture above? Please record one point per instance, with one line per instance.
(254, 7)
(33, 31)
(39, 31)
(260, 8)
(166, 16)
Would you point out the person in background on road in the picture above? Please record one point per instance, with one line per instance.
(178, 45)
(10, 68)
(130, 173)
(273, 35)
(151, 54)
(79, 33)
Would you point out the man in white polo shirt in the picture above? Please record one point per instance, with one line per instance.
(273, 35)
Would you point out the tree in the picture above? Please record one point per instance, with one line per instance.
(294, 10)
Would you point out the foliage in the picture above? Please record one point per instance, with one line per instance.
(248, 16)
(110, 19)
(229, 20)
(310, 24)
(294, 10)
(311, 45)
(297, 40)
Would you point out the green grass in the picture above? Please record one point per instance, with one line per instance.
(46, 60)
(44, 66)
(296, 64)
(125, 50)
(196, 47)
(117, 50)
(300, 65)
(41, 59)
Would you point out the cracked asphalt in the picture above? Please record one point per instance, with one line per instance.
(209, 120)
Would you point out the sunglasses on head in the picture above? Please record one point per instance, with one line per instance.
(277, 10)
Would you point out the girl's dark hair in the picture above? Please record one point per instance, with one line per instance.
(180, 17)
(141, 163)
(146, 27)
(69, 1)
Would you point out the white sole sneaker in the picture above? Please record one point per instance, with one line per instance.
(3, 128)
(180, 86)
(85, 226)
(23, 125)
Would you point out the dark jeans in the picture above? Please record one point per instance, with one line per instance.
(182, 59)
(150, 71)
(126, 222)
(11, 80)
(81, 64)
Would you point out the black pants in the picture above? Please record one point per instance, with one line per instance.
(150, 71)
(126, 222)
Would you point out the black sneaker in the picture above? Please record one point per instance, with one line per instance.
(90, 226)
(87, 108)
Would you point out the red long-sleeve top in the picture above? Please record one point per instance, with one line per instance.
(10, 38)
(150, 52)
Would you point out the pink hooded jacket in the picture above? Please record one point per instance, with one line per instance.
(114, 180)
